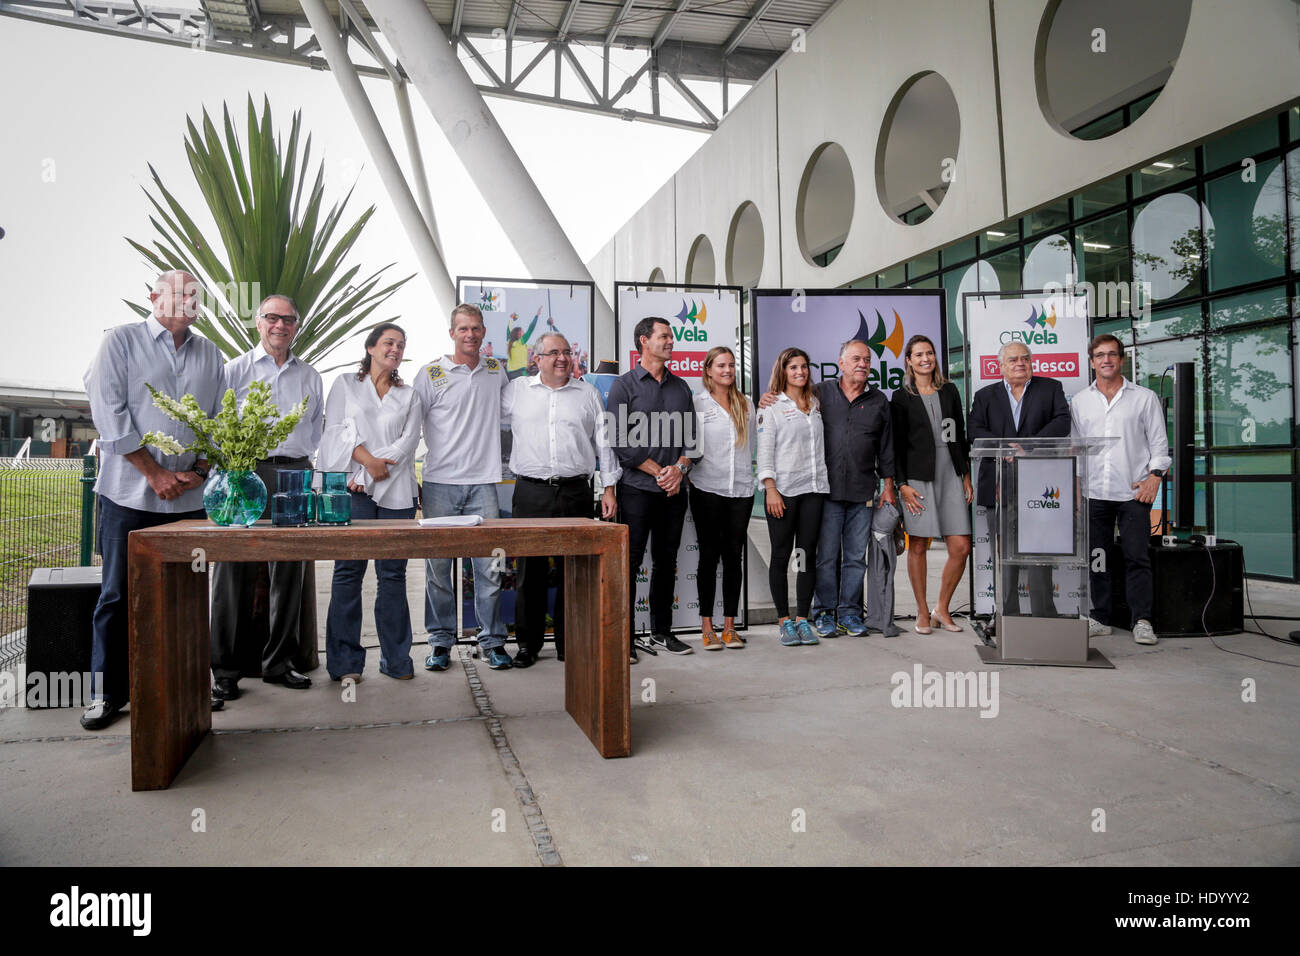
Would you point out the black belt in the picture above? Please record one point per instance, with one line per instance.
(554, 482)
(284, 459)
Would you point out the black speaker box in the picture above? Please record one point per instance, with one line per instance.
(60, 610)
(1190, 582)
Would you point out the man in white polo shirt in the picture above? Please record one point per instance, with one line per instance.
(461, 393)
(556, 427)
(1123, 481)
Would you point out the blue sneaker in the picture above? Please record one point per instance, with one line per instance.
(825, 624)
(497, 659)
(853, 625)
(438, 660)
(789, 634)
(806, 634)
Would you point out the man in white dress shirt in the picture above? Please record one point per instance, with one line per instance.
(140, 487)
(1122, 481)
(272, 361)
(555, 422)
(461, 397)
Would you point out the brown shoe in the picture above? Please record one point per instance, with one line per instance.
(731, 639)
(710, 641)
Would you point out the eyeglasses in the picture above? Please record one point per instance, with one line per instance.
(555, 353)
(273, 317)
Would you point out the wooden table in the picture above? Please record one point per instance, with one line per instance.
(171, 654)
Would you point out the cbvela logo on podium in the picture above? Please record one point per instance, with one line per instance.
(77, 909)
(1050, 498)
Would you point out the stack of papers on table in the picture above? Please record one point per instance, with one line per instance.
(452, 521)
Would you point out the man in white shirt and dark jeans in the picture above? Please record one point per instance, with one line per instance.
(556, 427)
(1123, 481)
(291, 379)
(461, 396)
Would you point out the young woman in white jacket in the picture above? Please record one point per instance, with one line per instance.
(792, 470)
(372, 429)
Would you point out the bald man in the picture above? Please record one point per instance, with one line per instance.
(139, 486)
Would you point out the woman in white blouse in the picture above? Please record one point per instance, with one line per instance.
(372, 428)
(792, 469)
(722, 492)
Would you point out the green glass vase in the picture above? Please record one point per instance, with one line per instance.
(236, 497)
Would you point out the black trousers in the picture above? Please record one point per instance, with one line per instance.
(721, 524)
(571, 499)
(1134, 519)
(233, 583)
(1040, 581)
(798, 526)
(655, 518)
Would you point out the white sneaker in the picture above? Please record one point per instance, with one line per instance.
(1143, 633)
(1097, 629)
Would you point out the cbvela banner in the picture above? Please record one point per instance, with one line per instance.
(516, 314)
(701, 317)
(819, 321)
(1055, 328)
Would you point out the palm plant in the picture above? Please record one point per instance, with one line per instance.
(274, 240)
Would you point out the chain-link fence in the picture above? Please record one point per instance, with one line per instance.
(46, 521)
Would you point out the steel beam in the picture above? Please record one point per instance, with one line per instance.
(617, 22)
(666, 24)
(484, 149)
(408, 213)
(755, 14)
(563, 32)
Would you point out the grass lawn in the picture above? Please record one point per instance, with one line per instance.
(40, 527)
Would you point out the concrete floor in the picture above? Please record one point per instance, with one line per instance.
(767, 755)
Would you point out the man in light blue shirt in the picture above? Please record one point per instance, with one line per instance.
(141, 487)
(291, 379)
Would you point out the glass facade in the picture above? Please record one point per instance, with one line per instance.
(1213, 233)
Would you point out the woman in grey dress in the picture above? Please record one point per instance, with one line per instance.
(933, 476)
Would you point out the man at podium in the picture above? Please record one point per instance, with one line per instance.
(1022, 405)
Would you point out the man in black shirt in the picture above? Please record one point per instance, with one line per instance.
(859, 446)
(651, 427)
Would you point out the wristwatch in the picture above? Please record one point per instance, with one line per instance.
(1157, 472)
(682, 468)
(199, 470)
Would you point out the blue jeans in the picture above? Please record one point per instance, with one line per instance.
(439, 589)
(109, 657)
(842, 558)
(343, 651)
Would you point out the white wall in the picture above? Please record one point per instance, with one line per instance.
(1238, 60)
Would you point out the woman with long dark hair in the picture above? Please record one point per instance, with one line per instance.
(792, 470)
(933, 476)
(372, 428)
(722, 492)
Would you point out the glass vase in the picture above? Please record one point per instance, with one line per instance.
(236, 497)
(334, 503)
(289, 505)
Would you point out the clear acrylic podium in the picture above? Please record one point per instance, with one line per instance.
(1040, 550)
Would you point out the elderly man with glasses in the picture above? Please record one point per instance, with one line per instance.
(1022, 405)
(555, 421)
(272, 361)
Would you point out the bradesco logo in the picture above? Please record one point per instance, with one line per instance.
(1050, 498)
(1045, 364)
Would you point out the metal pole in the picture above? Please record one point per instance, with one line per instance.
(417, 160)
(87, 510)
(426, 250)
(459, 109)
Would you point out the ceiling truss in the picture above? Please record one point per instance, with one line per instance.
(237, 27)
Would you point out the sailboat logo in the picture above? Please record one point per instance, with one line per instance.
(694, 313)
